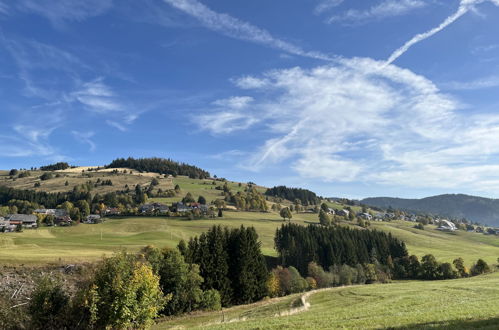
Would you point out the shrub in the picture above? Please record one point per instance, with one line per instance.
(481, 267)
(124, 293)
(48, 305)
(211, 300)
(46, 176)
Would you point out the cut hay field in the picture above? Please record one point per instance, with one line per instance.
(470, 303)
(86, 242)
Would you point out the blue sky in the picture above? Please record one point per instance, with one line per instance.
(347, 98)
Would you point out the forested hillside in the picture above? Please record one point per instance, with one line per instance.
(305, 196)
(479, 209)
(161, 166)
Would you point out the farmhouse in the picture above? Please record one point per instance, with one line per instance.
(93, 218)
(63, 221)
(181, 207)
(343, 213)
(26, 220)
(5, 225)
(446, 225)
(154, 207)
(366, 216)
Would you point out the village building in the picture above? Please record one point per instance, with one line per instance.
(93, 218)
(446, 225)
(25, 220)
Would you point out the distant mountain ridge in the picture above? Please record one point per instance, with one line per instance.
(474, 208)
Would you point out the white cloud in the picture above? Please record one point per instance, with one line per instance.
(237, 102)
(482, 83)
(238, 29)
(61, 10)
(386, 8)
(98, 97)
(358, 122)
(249, 82)
(326, 5)
(464, 7)
(29, 140)
(117, 125)
(85, 137)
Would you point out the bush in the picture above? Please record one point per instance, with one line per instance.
(480, 267)
(211, 300)
(48, 306)
(46, 176)
(124, 293)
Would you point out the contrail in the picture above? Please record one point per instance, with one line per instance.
(464, 7)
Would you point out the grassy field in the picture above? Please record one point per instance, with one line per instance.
(120, 181)
(89, 242)
(455, 304)
(446, 246)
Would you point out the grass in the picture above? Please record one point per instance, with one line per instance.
(267, 308)
(455, 304)
(87, 242)
(445, 246)
(76, 177)
(90, 242)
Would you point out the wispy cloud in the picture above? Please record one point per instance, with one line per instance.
(483, 83)
(85, 137)
(238, 29)
(61, 10)
(384, 9)
(356, 122)
(4, 9)
(117, 125)
(98, 97)
(464, 7)
(325, 5)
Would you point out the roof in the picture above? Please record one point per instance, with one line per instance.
(22, 217)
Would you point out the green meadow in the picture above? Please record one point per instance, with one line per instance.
(86, 242)
(470, 303)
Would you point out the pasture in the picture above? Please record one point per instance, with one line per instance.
(469, 303)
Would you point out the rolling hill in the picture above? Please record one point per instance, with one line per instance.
(458, 206)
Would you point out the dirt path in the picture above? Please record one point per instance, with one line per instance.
(305, 305)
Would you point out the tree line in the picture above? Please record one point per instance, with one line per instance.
(161, 166)
(298, 246)
(231, 262)
(55, 167)
(305, 196)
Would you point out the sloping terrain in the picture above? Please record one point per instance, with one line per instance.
(457, 206)
(469, 303)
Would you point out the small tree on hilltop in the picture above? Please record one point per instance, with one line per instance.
(286, 213)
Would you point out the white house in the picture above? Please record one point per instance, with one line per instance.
(446, 225)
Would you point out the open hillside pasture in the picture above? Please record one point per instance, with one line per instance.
(87, 242)
(121, 180)
(445, 246)
(469, 303)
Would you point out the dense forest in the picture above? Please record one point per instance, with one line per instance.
(55, 167)
(305, 196)
(231, 262)
(298, 246)
(161, 166)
